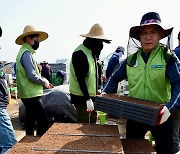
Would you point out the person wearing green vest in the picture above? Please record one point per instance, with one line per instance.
(29, 81)
(153, 73)
(84, 74)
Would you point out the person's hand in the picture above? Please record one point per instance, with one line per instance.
(51, 85)
(99, 91)
(90, 105)
(46, 84)
(164, 114)
(103, 93)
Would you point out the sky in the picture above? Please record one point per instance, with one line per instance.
(65, 20)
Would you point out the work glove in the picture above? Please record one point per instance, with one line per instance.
(46, 84)
(90, 105)
(99, 91)
(164, 114)
(103, 93)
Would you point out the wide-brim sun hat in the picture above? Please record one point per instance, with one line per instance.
(150, 18)
(30, 30)
(179, 35)
(96, 32)
(0, 32)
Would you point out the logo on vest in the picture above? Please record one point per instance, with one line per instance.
(156, 66)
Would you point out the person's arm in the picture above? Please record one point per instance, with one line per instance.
(81, 67)
(27, 63)
(111, 66)
(119, 75)
(173, 74)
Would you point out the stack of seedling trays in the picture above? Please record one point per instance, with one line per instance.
(140, 110)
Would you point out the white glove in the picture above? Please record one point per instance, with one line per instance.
(90, 105)
(103, 93)
(164, 114)
(46, 84)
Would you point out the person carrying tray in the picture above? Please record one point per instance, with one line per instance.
(153, 74)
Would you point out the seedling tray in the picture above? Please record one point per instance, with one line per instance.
(137, 146)
(140, 110)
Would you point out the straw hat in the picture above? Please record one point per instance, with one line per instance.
(150, 18)
(179, 35)
(30, 30)
(96, 32)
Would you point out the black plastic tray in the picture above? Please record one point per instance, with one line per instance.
(128, 109)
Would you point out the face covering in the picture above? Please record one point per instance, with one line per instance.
(95, 45)
(36, 45)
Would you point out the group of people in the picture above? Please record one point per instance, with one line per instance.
(151, 69)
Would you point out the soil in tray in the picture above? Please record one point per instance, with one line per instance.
(147, 103)
(79, 143)
(24, 145)
(84, 129)
(29, 139)
(135, 146)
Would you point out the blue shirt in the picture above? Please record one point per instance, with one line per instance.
(27, 62)
(112, 65)
(177, 51)
(172, 73)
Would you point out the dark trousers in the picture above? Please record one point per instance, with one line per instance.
(162, 134)
(82, 115)
(35, 112)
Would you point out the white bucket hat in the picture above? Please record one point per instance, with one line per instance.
(96, 32)
(30, 30)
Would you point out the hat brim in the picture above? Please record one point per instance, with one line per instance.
(42, 36)
(100, 37)
(134, 31)
(0, 32)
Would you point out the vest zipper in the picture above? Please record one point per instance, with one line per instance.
(145, 81)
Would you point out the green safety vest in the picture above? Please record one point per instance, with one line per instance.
(90, 78)
(26, 88)
(148, 81)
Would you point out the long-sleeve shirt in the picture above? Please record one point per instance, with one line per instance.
(172, 73)
(3, 94)
(112, 65)
(177, 51)
(81, 69)
(27, 62)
